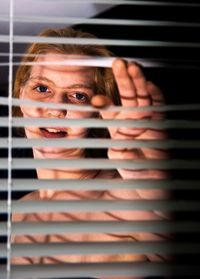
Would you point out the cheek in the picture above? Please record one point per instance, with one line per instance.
(72, 114)
(76, 132)
(79, 132)
(31, 111)
(28, 133)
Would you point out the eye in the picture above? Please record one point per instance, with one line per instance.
(80, 96)
(42, 89)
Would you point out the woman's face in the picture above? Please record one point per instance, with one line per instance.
(57, 84)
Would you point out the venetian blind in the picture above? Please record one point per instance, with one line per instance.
(163, 37)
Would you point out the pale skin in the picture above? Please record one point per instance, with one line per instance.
(75, 84)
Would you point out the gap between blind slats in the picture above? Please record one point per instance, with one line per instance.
(100, 123)
(99, 184)
(89, 270)
(108, 42)
(99, 143)
(33, 228)
(98, 21)
(38, 206)
(163, 108)
(84, 164)
(88, 248)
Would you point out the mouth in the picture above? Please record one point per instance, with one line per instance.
(53, 132)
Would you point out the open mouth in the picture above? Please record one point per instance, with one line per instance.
(53, 132)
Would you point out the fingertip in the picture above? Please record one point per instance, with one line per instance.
(151, 86)
(118, 63)
(135, 70)
(100, 101)
(137, 64)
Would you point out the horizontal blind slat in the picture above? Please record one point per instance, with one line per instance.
(88, 248)
(108, 42)
(98, 21)
(100, 269)
(93, 61)
(101, 123)
(99, 184)
(128, 164)
(140, 3)
(99, 143)
(98, 205)
(18, 102)
(32, 228)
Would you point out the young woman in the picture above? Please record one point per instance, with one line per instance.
(124, 84)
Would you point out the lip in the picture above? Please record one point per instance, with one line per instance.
(60, 134)
(55, 128)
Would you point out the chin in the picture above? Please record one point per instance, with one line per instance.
(57, 153)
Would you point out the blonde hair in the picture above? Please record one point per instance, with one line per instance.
(103, 76)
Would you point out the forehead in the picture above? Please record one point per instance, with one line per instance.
(54, 61)
(63, 75)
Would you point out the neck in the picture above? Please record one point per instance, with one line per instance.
(65, 174)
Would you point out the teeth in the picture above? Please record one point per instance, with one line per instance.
(53, 130)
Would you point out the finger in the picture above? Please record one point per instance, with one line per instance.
(156, 94)
(100, 101)
(155, 153)
(143, 174)
(152, 134)
(140, 82)
(128, 133)
(157, 100)
(125, 153)
(125, 84)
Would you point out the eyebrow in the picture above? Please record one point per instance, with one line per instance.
(91, 85)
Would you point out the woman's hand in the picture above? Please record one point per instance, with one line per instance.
(136, 91)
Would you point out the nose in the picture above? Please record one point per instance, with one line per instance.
(58, 113)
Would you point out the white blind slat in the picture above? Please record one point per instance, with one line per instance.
(88, 248)
(98, 205)
(101, 164)
(33, 228)
(141, 3)
(98, 21)
(101, 123)
(99, 184)
(108, 42)
(163, 108)
(100, 269)
(99, 143)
